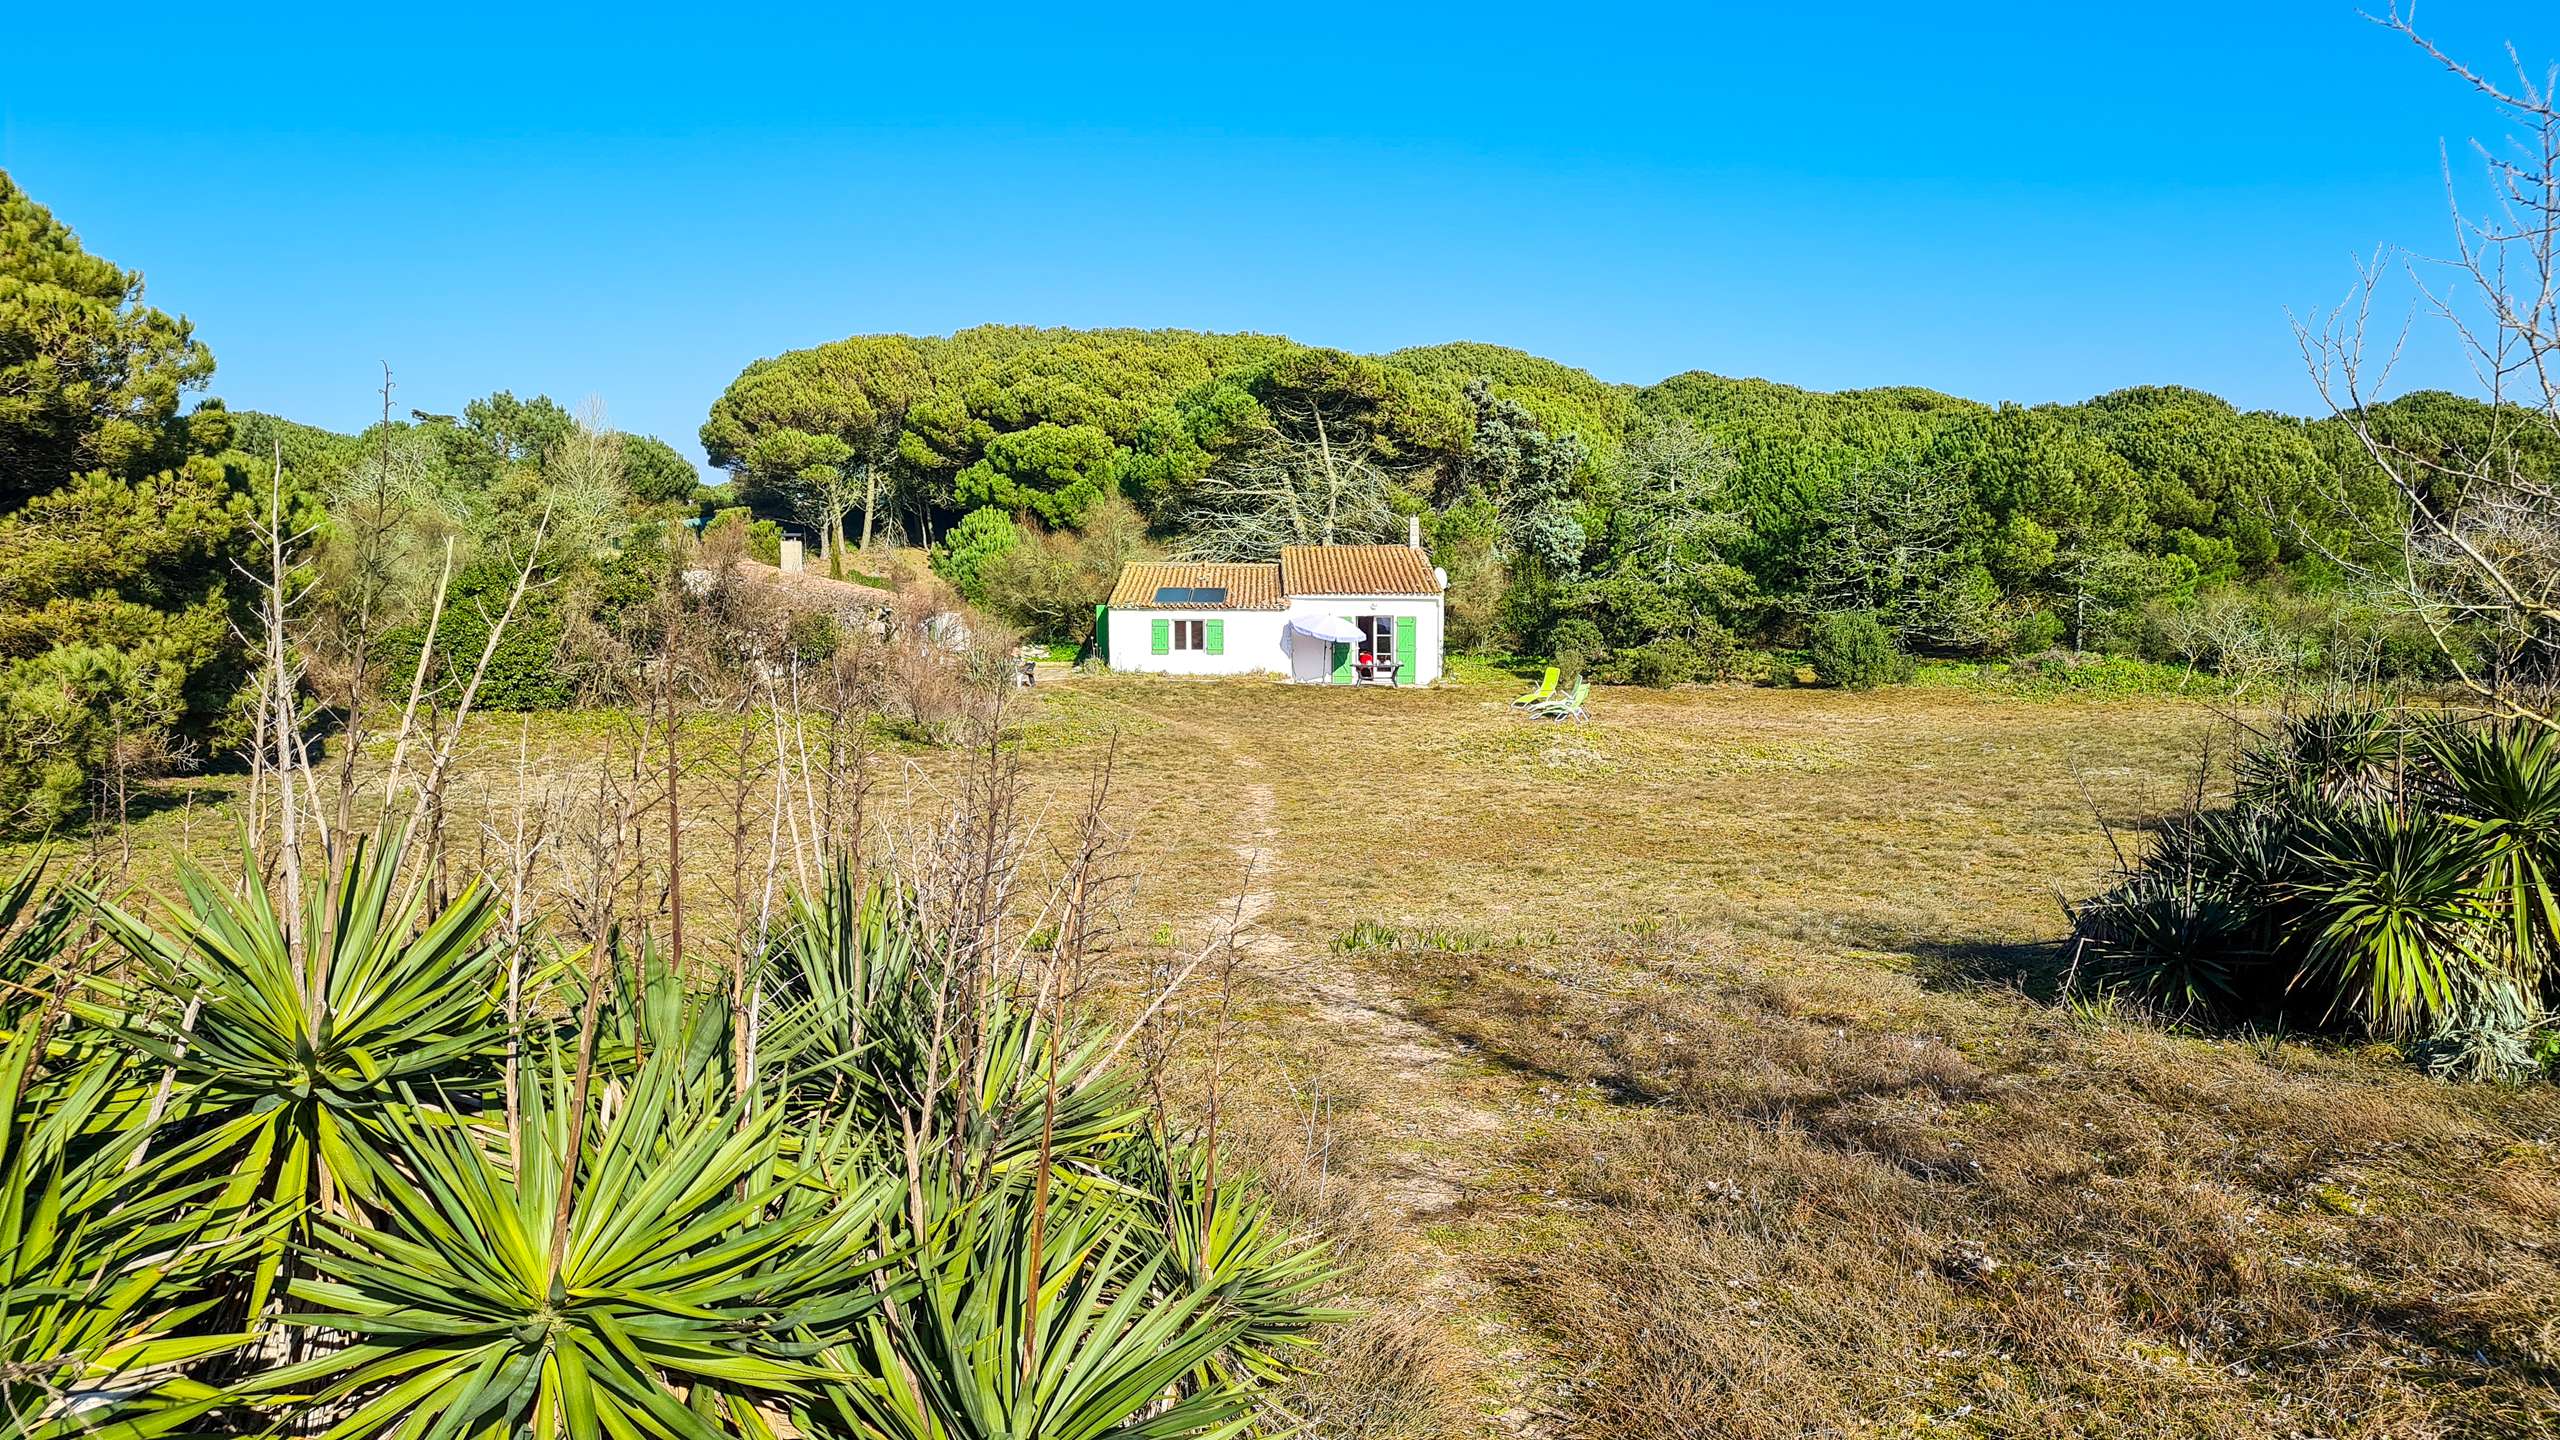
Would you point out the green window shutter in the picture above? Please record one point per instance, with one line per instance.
(1102, 633)
(1217, 637)
(1406, 656)
(1342, 651)
(1160, 637)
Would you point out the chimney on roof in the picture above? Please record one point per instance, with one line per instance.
(1413, 531)
(792, 563)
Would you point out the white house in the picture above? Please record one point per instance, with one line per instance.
(1324, 614)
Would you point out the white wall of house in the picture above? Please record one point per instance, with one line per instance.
(1422, 667)
(1252, 643)
(1255, 642)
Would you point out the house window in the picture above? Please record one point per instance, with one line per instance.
(1190, 634)
(1378, 638)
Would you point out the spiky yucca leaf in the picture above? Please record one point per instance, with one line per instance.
(32, 927)
(2504, 782)
(699, 1262)
(2335, 755)
(1225, 1234)
(839, 1011)
(287, 1069)
(2174, 939)
(1120, 1342)
(849, 1026)
(102, 1272)
(2391, 905)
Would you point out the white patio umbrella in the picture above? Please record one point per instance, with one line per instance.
(1326, 627)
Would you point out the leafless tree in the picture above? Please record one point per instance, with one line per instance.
(390, 524)
(1673, 486)
(1315, 490)
(583, 487)
(1895, 546)
(2468, 541)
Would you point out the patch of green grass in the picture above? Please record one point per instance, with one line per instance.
(2059, 674)
(1369, 935)
(1066, 717)
(1497, 670)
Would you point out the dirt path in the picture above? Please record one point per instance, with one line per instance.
(1427, 1126)
(1447, 1108)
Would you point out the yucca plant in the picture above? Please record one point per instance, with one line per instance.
(646, 1009)
(650, 1240)
(103, 1272)
(2171, 939)
(849, 1031)
(2395, 867)
(282, 1062)
(671, 1273)
(2194, 930)
(1225, 1234)
(1002, 1117)
(2503, 783)
(1064, 1272)
(2390, 908)
(842, 1013)
(1116, 1344)
(2333, 755)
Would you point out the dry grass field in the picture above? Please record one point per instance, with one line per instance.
(1697, 1071)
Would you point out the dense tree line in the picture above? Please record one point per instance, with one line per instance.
(1650, 533)
(1650, 530)
(134, 531)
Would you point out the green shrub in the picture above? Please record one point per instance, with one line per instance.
(1577, 646)
(525, 671)
(1674, 659)
(2071, 672)
(812, 637)
(1657, 663)
(964, 556)
(2035, 632)
(1853, 651)
(71, 714)
(759, 540)
(1049, 582)
(2394, 872)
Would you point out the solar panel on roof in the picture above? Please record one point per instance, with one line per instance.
(1191, 594)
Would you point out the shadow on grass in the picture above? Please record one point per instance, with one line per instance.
(2034, 968)
(88, 833)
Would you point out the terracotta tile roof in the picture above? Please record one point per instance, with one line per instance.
(1355, 570)
(1248, 586)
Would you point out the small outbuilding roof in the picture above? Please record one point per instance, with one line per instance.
(797, 590)
(1355, 570)
(1185, 585)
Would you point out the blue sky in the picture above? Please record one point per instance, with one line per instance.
(2005, 202)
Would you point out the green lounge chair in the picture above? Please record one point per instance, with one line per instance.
(1565, 707)
(1546, 690)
